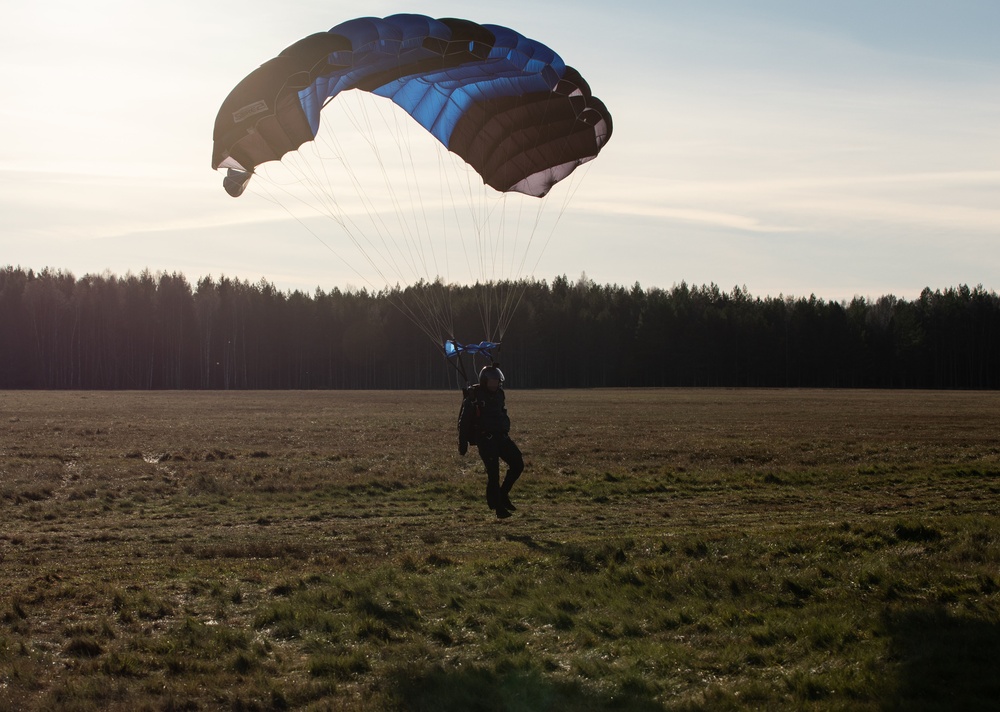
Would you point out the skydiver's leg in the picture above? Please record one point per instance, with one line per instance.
(511, 454)
(490, 454)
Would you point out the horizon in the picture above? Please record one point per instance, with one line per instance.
(533, 279)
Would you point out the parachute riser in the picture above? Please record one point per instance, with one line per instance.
(454, 351)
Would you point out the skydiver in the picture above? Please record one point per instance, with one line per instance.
(483, 421)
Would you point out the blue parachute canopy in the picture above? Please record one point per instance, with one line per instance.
(453, 349)
(506, 104)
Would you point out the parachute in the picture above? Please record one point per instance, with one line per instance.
(506, 105)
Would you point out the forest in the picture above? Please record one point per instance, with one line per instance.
(160, 331)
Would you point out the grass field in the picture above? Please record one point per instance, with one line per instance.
(672, 550)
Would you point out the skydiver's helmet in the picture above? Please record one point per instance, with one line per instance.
(489, 372)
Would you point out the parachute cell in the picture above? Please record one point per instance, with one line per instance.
(506, 104)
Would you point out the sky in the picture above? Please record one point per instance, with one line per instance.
(789, 147)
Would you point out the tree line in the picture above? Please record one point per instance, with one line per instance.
(158, 331)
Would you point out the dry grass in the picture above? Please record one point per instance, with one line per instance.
(672, 549)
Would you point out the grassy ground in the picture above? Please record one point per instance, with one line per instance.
(672, 550)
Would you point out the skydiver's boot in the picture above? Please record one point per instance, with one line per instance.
(502, 513)
(504, 501)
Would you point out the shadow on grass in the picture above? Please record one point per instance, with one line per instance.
(530, 542)
(478, 689)
(945, 662)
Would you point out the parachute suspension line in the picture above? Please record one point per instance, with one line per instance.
(450, 178)
(505, 247)
(332, 210)
(499, 250)
(494, 247)
(366, 131)
(385, 254)
(504, 290)
(413, 186)
(488, 269)
(442, 303)
(428, 301)
(475, 200)
(405, 225)
(401, 306)
(434, 305)
(262, 191)
(444, 158)
(481, 203)
(442, 183)
(510, 304)
(575, 181)
(516, 284)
